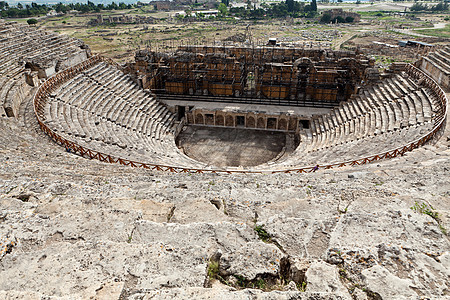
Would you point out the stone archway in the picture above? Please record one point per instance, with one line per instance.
(220, 120)
(282, 124)
(271, 123)
(229, 121)
(261, 123)
(209, 119)
(251, 122)
(199, 119)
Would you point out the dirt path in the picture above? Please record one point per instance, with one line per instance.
(338, 42)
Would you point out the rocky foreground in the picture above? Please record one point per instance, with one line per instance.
(71, 228)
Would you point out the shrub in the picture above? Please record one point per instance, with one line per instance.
(340, 19)
(32, 21)
(425, 209)
(213, 269)
(326, 18)
(349, 19)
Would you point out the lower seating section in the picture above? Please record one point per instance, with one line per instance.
(353, 149)
(24, 46)
(379, 118)
(394, 104)
(437, 65)
(104, 110)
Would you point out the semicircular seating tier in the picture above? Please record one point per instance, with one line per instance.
(394, 112)
(28, 54)
(102, 109)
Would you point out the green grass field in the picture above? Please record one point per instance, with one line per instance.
(441, 32)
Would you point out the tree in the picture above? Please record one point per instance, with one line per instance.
(326, 18)
(32, 21)
(4, 5)
(418, 7)
(313, 5)
(290, 5)
(441, 6)
(222, 9)
(339, 19)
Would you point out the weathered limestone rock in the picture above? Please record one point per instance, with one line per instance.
(197, 210)
(224, 294)
(242, 253)
(149, 209)
(380, 281)
(323, 277)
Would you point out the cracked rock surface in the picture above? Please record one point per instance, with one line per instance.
(72, 228)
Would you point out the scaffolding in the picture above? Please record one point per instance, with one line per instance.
(255, 74)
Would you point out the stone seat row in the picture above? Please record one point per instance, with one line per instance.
(440, 59)
(376, 110)
(14, 54)
(99, 134)
(129, 109)
(354, 149)
(57, 43)
(8, 94)
(118, 110)
(37, 45)
(119, 119)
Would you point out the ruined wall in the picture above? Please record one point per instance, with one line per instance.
(253, 120)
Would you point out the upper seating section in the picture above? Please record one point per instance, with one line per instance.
(43, 53)
(20, 44)
(437, 65)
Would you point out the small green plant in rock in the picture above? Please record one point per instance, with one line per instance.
(426, 209)
(301, 286)
(241, 281)
(213, 269)
(261, 284)
(262, 233)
